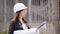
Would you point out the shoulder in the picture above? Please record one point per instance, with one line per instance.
(12, 23)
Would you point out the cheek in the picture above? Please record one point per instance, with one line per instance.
(22, 14)
(25, 12)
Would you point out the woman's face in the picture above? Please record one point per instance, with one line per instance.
(23, 13)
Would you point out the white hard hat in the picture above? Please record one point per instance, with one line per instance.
(18, 7)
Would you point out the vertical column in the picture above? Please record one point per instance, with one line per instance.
(1, 10)
(49, 9)
(29, 8)
(55, 16)
(5, 11)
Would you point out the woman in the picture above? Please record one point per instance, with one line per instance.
(19, 22)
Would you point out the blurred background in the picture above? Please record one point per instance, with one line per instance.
(38, 12)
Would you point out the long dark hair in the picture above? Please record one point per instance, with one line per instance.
(16, 18)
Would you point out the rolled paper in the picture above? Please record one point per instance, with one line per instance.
(27, 31)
